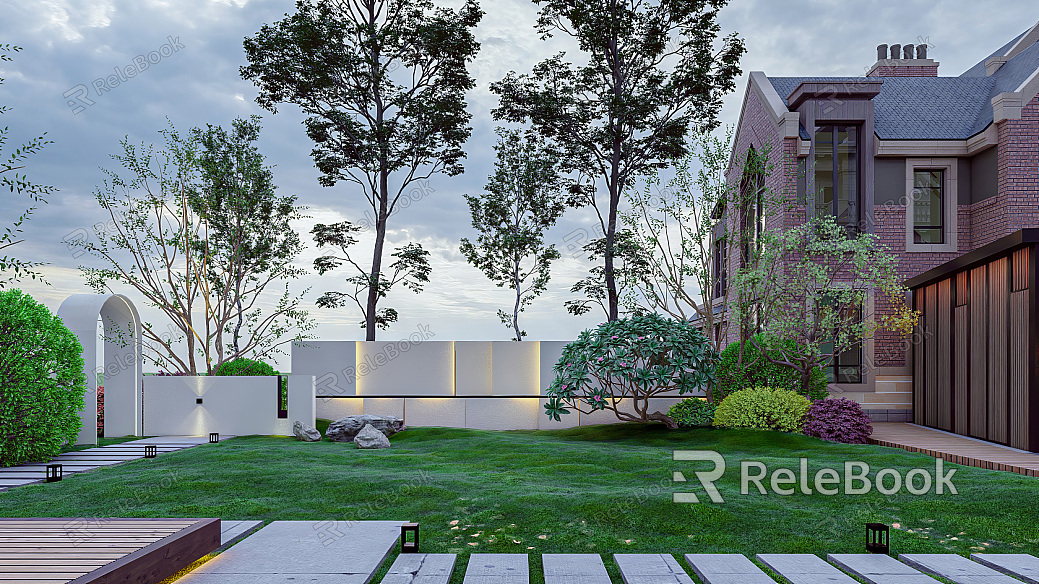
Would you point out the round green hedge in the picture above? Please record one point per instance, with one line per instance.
(42, 384)
(243, 366)
(762, 373)
(762, 408)
(692, 412)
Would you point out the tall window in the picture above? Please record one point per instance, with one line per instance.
(752, 210)
(837, 174)
(720, 269)
(846, 366)
(928, 206)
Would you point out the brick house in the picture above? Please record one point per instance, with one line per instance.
(958, 156)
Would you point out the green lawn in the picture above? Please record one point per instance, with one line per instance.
(600, 489)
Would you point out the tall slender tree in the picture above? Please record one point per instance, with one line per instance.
(525, 196)
(20, 184)
(382, 83)
(656, 69)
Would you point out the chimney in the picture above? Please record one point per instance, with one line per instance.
(898, 61)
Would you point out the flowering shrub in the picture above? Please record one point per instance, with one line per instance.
(762, 408)
(100, 410)
(620, 364)
(692, 411)
(838, 420)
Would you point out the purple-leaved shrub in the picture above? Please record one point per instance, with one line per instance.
(838, 420)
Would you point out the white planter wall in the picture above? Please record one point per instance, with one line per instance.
(493, 385)
(230, 405)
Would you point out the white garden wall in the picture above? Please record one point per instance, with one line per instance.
(493, 385)
(230, 405)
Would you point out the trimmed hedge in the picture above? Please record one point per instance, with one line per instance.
(763, 408)
(762, 373)
(42, 384)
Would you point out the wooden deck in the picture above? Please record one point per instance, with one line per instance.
(954, 448)
(82, 551)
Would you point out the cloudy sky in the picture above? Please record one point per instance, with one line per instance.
(68, 44)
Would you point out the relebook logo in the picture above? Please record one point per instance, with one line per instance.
(857, 478)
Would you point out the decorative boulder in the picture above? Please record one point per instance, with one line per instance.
(305, 433)
(371, 437)
(344, 430)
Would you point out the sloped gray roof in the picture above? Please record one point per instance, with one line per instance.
(935, 108)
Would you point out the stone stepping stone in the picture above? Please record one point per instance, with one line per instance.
(421, 569)
(879, 569)
(497, 569)
(727, 569)
(651, 569)
(804, 569)
(956, 568)
(574, 569)
(1022, 566)
(329, 552)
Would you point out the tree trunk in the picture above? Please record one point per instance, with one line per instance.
(380, 238)
(516, 307)
(611, 232)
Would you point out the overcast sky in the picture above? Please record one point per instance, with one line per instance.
(68, 44)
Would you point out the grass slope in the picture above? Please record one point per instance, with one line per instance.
(598, 489)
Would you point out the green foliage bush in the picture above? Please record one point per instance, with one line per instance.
(42, 384)
(762, 373)
(244, 366)
(692, 411)
(762, 408)
(631, 359)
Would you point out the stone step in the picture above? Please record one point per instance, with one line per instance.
(804, 569)
(956, 568)
(421, 569)
(497, 569)
(574, 569)
(651, 569)
(726, 569)
(1021, 566)
(879, 569)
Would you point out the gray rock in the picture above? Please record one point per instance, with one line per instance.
(344, 429)
(371, 437)
(305, 433)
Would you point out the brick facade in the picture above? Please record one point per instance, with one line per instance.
(904, 71)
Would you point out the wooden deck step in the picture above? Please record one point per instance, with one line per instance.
(1021, 566)
(879, 569)
(955, 568)
(954, 448)
(497, 569)
(727, 568)
(574, 569)
(651, 569)
(804, 569)
(421, 569)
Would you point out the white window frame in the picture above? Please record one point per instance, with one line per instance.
(950, 206)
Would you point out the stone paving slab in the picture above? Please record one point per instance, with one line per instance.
(727, 569)
(956, 568)
(651, 569)
(497, 569)
(303, 551)
(8, 483)
(574, 569)
(232, 532)
(804, 569)
(421, 569)
(1022, 566)
(879, 569)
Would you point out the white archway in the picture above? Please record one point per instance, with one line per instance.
(122, 361)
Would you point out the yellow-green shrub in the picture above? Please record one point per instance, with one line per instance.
(762, 408)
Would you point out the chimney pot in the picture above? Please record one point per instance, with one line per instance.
(881, 52)
(907, 51)
(896, 51)
(921, 51)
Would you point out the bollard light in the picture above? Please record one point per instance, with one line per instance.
(54, 473)
(877, 538)
(214, 437)
(150, 451)
(408, 547)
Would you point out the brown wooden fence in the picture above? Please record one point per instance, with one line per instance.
(975, 346)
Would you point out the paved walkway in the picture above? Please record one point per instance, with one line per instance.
(955, 448)
(91, 458)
